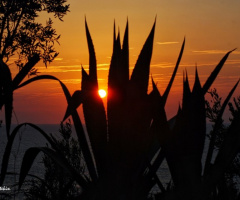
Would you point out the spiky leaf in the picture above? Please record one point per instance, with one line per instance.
(140, 74)
(215, 72)
(25, 70)
(92, 57)
(95, 119)
(6, 96)
(165, 95)
(75, 101)
(77, 124)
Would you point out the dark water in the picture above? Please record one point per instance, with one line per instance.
(29, 137)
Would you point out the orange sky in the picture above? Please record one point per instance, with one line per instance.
(211, 29)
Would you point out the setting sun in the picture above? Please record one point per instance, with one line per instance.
(102, 93)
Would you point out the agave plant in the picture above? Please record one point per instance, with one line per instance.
(8, 85)
(119, 151)
(125, 144)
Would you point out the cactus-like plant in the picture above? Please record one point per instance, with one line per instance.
(125, 144)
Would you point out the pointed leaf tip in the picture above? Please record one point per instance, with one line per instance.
(118, 38)
(86, 25)
(196, 73)
(186, 86)
(84, 71)
(140, 74)
(197, 84)
(165, 95)
(215, 72)
(125, 38)
(186, 75)
(92, 57)
(154, 85)
(114, 32)
(184, 78)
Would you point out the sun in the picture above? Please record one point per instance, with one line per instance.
(102, 93)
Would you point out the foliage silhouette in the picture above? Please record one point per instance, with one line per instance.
(56, 183)
(227, 188)
(128, 141)
(22, 36)
(20, 33)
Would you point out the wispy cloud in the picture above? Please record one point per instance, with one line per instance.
(162, 65)
(198, 65)
(214, 51)
(103, 64)
(72, 81)
(64, 69)
(58, 59)
(71, 68)
(163, 43)
(233, 62)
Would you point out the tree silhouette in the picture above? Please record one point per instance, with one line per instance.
(21, 35)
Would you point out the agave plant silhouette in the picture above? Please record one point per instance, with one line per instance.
(119, 150)
(8, 85)
(125, 144)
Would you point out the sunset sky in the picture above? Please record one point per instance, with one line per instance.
(211, 28)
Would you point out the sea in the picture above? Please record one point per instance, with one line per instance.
(28, 137)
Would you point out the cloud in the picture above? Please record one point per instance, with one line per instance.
(162, 65)
(58, 59)
(57, 69)
(163, 43)
(71, 68)
(198, 65)
(72, 81)
(214, 51)
(233, 62)
(103, 64)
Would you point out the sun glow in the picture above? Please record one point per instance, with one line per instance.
(102, 93)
